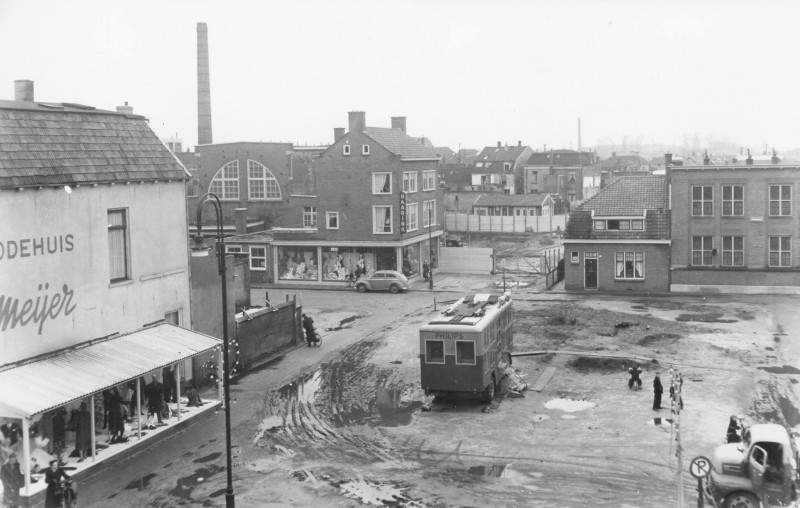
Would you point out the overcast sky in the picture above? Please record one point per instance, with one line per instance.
(464, 72)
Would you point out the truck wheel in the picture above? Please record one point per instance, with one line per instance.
(362, 288)
(742, 500)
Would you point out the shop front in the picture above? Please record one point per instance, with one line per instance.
(88, 403)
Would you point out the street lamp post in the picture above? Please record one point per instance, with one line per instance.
(430, 248)
(199, 249)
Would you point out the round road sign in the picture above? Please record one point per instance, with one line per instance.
(700, 467)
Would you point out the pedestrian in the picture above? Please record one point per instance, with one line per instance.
(657, 391)
(53, 477)
(426, 270)
(635, 380)
(12, 479)
(154, 391)
(170, 389)
(83, 431)
(308, 326)
(193, 396)
(116, 424)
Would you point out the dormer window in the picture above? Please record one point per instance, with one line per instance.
(364, 149)
(345, 149)
(619, 225)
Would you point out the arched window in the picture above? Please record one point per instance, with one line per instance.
(261, 183)
(225, 183)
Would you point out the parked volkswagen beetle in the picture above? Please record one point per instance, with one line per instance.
(383, 280)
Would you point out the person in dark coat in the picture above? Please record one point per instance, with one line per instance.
(635, 380)
(52, 477)
(13, 480)
(59, 431)
(154, 391)
(657, 391)
(170, 388)
(308, 326)
(116, 425)
(83, 431)
(193, 396)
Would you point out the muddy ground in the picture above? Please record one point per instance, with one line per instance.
(354, 432)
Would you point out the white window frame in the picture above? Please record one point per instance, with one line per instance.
(380, 229)
(629, 256)
(328, 217)
(428, 357)
(781, 251)
(364, 149)
(779, 200)
(119, 239)
(599, 225)
(225, 183)
(412, 216)
(474, 350)
(706, 204)
(732, 201)
(506, 166)
(703, 251)
(379, 183)
(409, 181)
(428, 205)
(254, 257)
(730, 251)
(230, 249)
(345, 149)
(309, 216)
(574, 257)
(260, 174)
(429, 180)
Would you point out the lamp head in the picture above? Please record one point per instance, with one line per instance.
(199, 247)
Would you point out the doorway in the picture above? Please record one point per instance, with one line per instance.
(590, 270)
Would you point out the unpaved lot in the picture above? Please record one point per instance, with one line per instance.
(353, 431)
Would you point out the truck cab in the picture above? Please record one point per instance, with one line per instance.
(760, 468)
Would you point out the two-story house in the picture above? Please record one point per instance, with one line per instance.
(736, 228)
(374, 203)
(559, 172)
(94, 263)
(501, 166)
(619, 240)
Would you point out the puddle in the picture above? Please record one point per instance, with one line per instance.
(569, 405)
(392, 410)
(304, 389)
(140, 484)
(208, 458)
(786, 369)
(706, 317)
(377, 494)
(494, 471)
(185, 485)
(343, 324)
(658, 421)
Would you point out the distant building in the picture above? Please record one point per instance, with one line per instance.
(735, 228)
(520, 205)
(559, 172)
(619, 240)
(503, 166)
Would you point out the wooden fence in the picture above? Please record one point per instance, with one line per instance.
(465, 223)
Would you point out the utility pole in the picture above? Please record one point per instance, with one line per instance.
(675, 407)
(430, 247)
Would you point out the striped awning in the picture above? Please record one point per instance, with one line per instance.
(41, 384)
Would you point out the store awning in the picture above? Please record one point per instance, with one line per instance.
(51, 381)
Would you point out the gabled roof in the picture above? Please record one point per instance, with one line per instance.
(501, 199)
(500, 153)
(400, 143)
(60, 144)
(629, 196)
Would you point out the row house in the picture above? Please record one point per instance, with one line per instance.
(736, 228)
(619, 240)
(94, 264)
(502, 166)
(564, 173)
(372, 203)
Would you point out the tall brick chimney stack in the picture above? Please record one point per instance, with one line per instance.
(338, 133)
(358, 121)
(399, 123)
(203, 87)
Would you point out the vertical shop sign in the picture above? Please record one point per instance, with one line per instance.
(402, 213)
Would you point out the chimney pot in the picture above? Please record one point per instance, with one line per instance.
(127, 110)
(23, 90)
(358, 121)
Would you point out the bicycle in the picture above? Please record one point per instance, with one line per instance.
(64, 494)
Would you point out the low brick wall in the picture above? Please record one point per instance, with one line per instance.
(263, 331)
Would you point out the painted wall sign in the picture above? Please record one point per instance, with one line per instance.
(402, 213)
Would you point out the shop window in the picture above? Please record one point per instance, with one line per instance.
(343, 263)
(732, 200)
(118, 245)
(225, 183)
(258, 258)
(702, 247)
(780, 200)
(465, 352)
(702, 200)
(732, 251)
(297, 263)
(434, 351)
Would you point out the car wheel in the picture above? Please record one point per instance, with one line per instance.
(742, 500)
(362, 288)
(394, 288)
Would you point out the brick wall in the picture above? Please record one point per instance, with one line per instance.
(656, 268)
(269, 331)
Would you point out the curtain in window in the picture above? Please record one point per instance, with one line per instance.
(382, 219)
